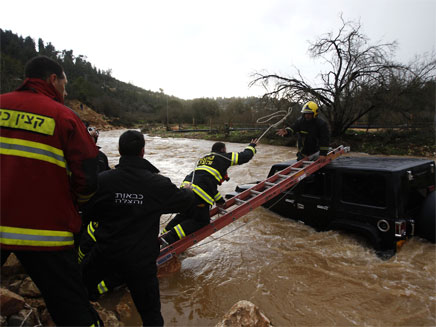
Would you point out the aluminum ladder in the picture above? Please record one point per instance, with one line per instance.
(248, 200)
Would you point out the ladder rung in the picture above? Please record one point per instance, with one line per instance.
(283, 176)
(239, 201)
(297, 169)
(221, 210)
(255, 192)
(308, 162)
(269, 184)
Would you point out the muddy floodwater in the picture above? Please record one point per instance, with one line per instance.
(295, 275)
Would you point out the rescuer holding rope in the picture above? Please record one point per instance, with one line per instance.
(313, 133)
(210, 172)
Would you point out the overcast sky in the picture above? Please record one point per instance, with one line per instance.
(201, 48)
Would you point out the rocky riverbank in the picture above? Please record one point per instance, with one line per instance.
(21, 304)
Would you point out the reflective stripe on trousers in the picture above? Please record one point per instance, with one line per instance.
(180, 232)
(102, 288)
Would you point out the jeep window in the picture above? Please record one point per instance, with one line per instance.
(364, 189)
(316, 186)
(415, 191)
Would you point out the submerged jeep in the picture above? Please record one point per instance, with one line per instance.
(386, 200)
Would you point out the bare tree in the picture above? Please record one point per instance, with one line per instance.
(346, 91)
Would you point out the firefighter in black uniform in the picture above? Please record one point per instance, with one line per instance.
(313, 132)
(87, 238)
(103, 163)
(210, 172)
(127, 207)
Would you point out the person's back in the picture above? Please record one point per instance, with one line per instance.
(48, 166)
(129, 217)
(39, 142)
(210, 172)
(127, 207)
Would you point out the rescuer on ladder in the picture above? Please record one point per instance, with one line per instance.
(210, 172)
(313, 132)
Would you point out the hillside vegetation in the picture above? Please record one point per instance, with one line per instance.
(402, 108)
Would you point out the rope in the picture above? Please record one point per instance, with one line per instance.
(274, 115)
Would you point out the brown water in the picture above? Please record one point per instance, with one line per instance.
(297, 277)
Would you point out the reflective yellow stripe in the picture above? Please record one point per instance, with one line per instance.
(91, 231)
(33, 150)
(323, 147)
(215, 173)
(80, 254)
(202, 194)
(304, 132)
(81, 198)
(180, 232)
(34, 237)
(217, 196)
(235, 158)
(27, 121)
(102, 287)
(252, 149)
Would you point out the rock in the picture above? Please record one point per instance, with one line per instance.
(46, 319)
(244, 314)
(123, 310)
(109, 317)
(36, 303)
(28, 288)
(11, 267)
(26, 318)
(10, 302)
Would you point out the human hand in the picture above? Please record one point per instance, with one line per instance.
(221, 205)
(282, 132)
(187, 186)
(254, 141)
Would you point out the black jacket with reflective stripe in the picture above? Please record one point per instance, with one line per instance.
(208, 179)
(128, 206)
(313, 135)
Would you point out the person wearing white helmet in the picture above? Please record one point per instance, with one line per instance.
(313, 132)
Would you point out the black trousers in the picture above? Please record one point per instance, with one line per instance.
(57, 276)
(111, 279)
(196, 217)
(141, 279)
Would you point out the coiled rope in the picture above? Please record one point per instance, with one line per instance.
(274, 115)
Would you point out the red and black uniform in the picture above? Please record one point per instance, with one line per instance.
(48, 166)
(210, 172)
(127, 207)
(313, 136)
